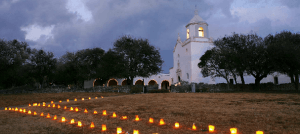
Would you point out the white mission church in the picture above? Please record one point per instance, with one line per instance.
(186, 57)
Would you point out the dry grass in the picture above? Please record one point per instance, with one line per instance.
(248, 112)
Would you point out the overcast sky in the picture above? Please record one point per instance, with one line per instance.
(70, 25)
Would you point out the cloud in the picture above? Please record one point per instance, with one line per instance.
(291, 3)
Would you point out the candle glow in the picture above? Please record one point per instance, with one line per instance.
(68, 100)
(51, 102)
(55, 117)
(60, 101)
(114, 114)
(9, 108)
(82, 99)
(75, 99)
(194, 127)
(49, 105)
(29, 112)
(119, 130)
(161, 122)
(92, 125)
(48, 116)
(53, 105)
(29, 105)
(72, 121)
(89, 98)
(137, 118)
(5, 108)
(135, 131)
(42, 114)
(96, 97)
(95, 112)
(259, 132)
(39, 104)
(71, 109)
(79, 124)
(104, 112)
(63, 119)
(124, 117)
(233, 130)
(24, 110)
(85, 111)
(76, 109)
(150, 120)
(176, 125)
(65, 107)
(211, 128)
(34, 104)
(58, 106)
(16, 109)
(103, 127)
(21, 110)
(34, 113)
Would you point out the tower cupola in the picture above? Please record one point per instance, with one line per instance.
(197, 27)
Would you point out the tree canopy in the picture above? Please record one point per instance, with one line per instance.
(139, 57)
(253, 55)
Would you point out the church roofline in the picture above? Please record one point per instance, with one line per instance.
(199, 23)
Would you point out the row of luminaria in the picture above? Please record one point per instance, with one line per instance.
(211, 128)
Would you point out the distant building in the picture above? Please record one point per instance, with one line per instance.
(186, 57)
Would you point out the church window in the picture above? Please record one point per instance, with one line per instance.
(188, 33)
(186, 50)
(187, 74)
(201, 33)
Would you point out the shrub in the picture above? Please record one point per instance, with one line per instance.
(159, 91)
(135, 89)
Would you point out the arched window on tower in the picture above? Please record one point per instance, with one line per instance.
(201, 33)
(187, 33)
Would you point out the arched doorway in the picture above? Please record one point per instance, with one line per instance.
(98, 82)
(138, 82)
(112, 82)
(152, 82)
(165, 84)
(124, 82)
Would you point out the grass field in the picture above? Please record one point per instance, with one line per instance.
(248, 112)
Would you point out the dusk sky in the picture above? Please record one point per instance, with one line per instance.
(70, 25)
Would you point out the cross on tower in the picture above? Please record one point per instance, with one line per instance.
(196, 10)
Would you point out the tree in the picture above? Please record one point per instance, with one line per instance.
(259, 61)
(214, 64)
(141, 58)
(74, 68)
(233, 48)
(89, 61)
(44, 65)
(13, 58)
(111, 65)
(285, 48)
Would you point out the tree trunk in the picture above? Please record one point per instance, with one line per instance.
(257, 83)
(292, 77)
(242, 78)
(296, 81)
